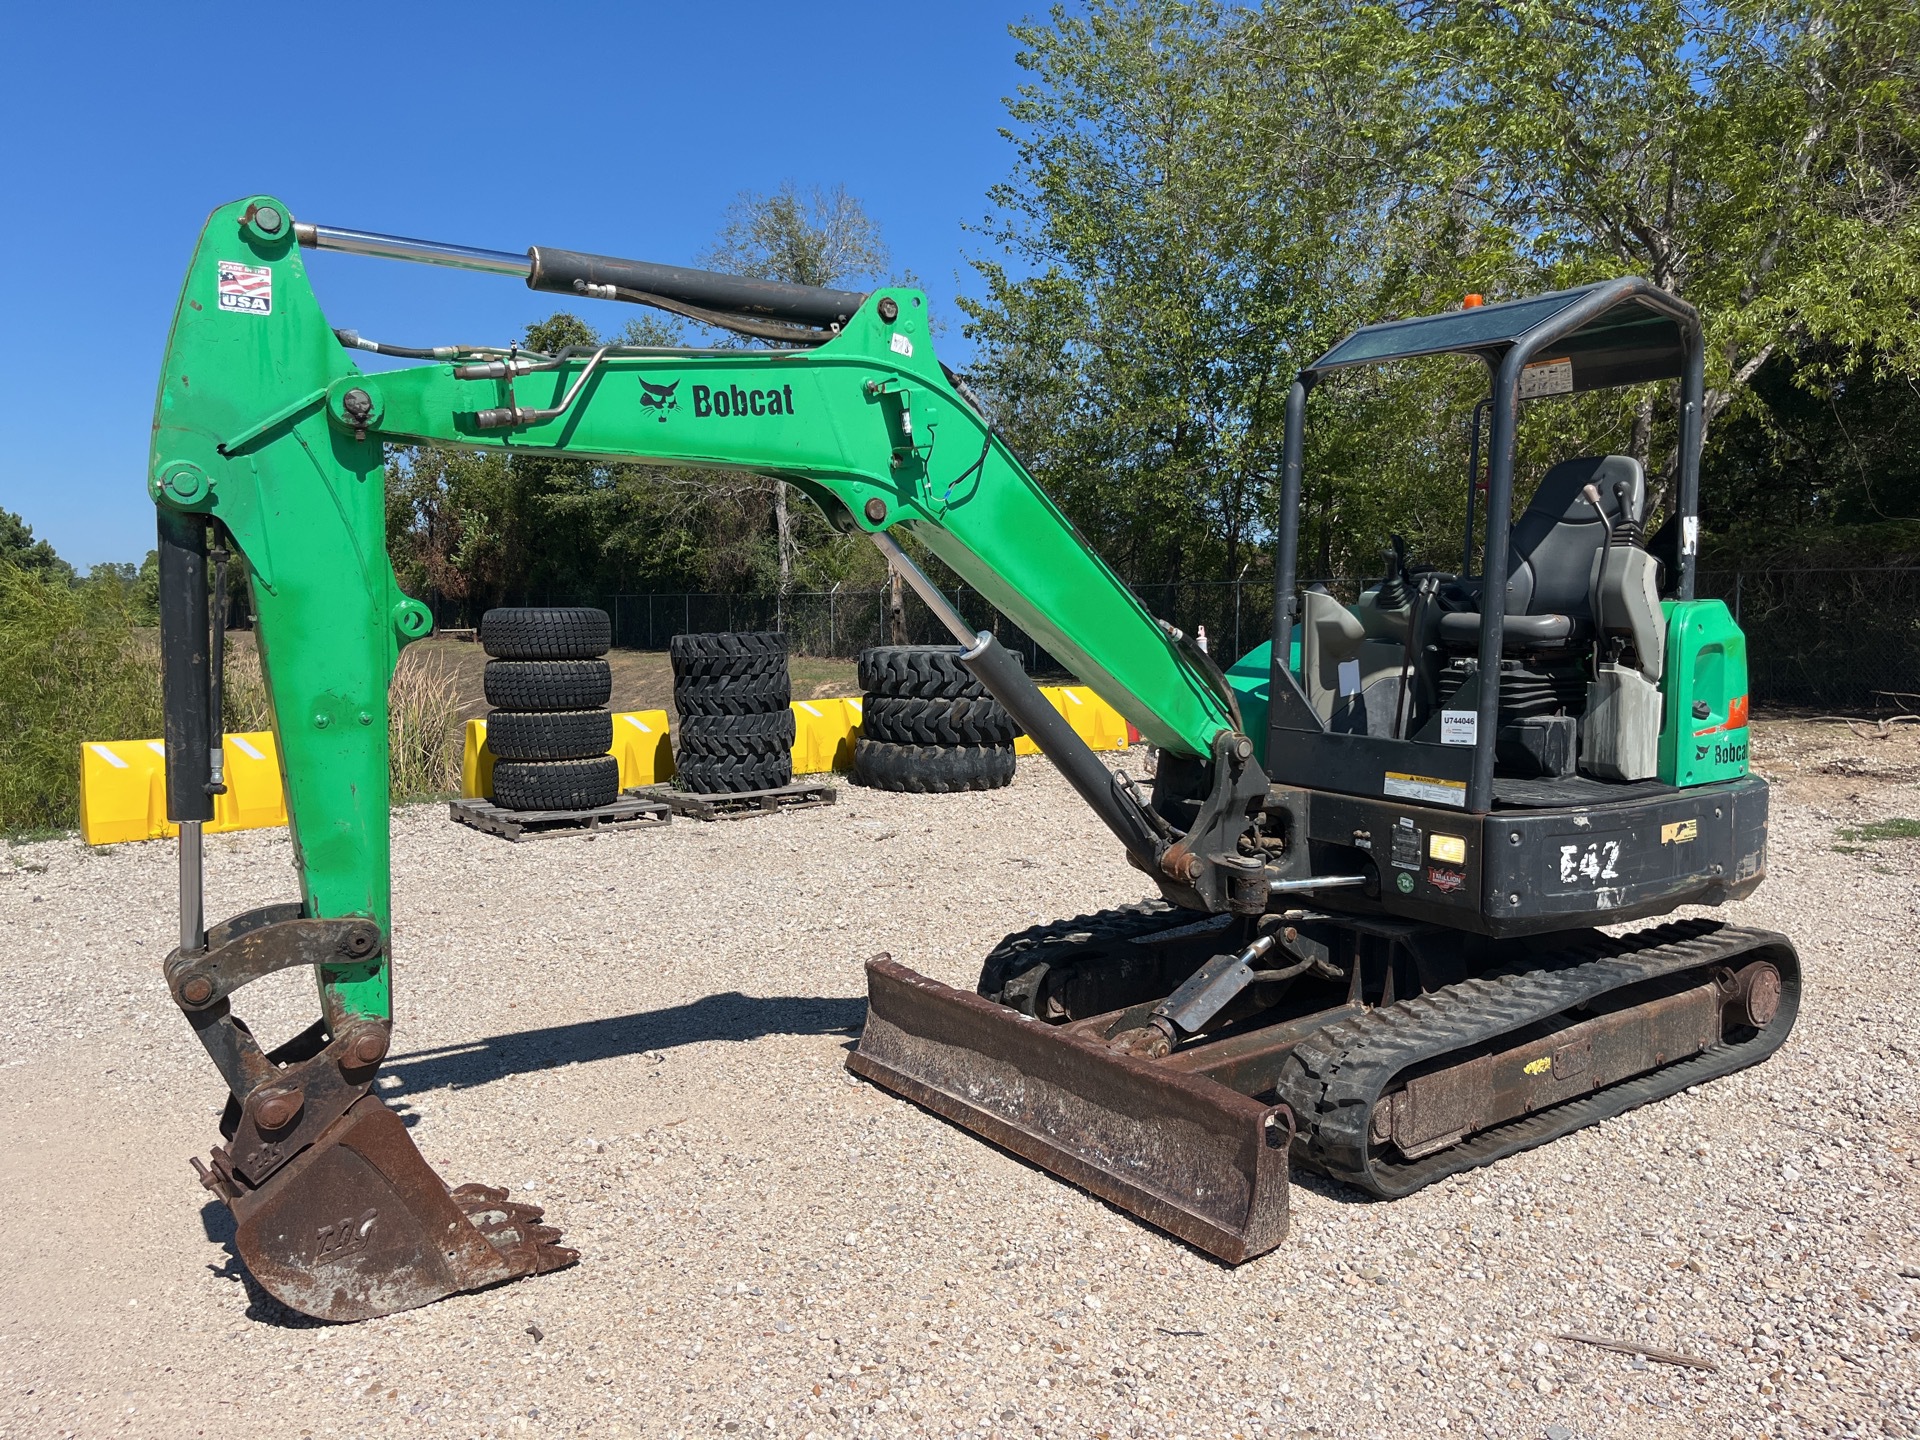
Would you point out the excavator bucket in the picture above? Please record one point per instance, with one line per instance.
(1185, 1153)
(359, 1225)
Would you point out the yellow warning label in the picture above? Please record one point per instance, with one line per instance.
(1679, 832)
(1540, 1066)
(1424, 787)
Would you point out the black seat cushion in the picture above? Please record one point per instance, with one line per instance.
(1550, 554)
(1461, 631)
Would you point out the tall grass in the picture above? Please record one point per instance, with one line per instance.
(80, 663)
(423, 719)
(74, 666)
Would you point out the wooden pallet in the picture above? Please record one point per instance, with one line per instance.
(627, 813)
(739, 804)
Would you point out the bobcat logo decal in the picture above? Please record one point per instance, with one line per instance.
(659, 397)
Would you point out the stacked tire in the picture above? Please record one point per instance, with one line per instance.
(550, 730)
(928, 726)
(733, 694)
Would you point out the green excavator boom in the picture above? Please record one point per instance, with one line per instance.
(265, 424)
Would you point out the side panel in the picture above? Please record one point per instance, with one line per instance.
(1547, 869)
(1523, 872)
(1704, 732)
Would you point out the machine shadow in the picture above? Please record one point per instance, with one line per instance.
(730, 1016)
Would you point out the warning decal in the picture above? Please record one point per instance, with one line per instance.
(1425, 787)
(246, 288)
(1546, 377)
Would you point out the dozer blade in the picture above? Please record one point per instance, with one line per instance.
(1196, 1159)
(358, 1225)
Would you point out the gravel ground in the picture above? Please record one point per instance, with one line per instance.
(645, 1032)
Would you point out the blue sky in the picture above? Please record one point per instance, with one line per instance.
(625, 130)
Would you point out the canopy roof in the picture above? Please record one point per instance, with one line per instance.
(1613, 332)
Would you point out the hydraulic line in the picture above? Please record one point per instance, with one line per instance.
(510, 414)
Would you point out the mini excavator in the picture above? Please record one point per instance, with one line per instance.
(1385, 841)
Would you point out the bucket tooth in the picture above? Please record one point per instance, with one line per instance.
(359, 1226)
(1186, 1154)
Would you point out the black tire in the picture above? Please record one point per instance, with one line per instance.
(725, 644)
(932, 769)
(548, 684)
(754, 695)
(903, 720)
(730, 774)
(556, 784)
(549, 734)
(747, 736)
(919, 672)
(729, 655)
(571, 632)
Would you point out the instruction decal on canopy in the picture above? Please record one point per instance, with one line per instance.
(1546, 377)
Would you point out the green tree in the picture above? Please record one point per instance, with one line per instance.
(74, 666)
(1202, 198)
(821, 237)
(19, 549)
(1757, 159)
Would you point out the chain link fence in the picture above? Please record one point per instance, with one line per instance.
(1237, 615)
(1833, 638)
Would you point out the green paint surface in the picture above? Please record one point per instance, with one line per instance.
(251, 426)
(1706, 666)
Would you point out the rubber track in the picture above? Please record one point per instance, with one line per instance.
(1336, 1077)
(1071, 941)
(902, 720)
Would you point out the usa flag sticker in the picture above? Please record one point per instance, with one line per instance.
(246, 288)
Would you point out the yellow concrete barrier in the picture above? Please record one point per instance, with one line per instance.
(123, 782)
(1092, 719)
(640, 744)
(640, 741)
(476, 762)
(823, 732)
(123, 789)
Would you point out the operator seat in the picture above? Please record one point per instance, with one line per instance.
(1550, 558)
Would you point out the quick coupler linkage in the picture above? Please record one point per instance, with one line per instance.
(336, 1213)
(279, 1103)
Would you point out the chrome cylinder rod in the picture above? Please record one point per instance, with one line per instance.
(941, 607)
(193, 914)
(1315, 882)
(422, 252)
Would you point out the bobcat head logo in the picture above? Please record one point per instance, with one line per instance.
(659, 397)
